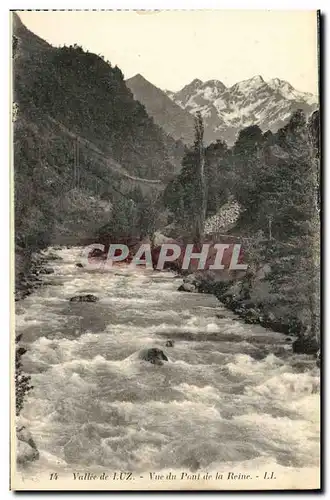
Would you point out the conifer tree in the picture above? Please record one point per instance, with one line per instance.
(186, 195)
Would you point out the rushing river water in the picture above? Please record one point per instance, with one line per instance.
(231, 397)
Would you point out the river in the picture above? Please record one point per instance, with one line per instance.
(231, 397)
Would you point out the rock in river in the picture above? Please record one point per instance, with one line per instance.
(187, 287)
(84, 298)
(153, 355)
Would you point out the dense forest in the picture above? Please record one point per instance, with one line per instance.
(275, 179)
(77, 132)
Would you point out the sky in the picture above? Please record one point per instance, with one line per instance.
(171, 48)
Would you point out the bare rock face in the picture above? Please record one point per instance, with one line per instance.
(154, 356)
(305, 345)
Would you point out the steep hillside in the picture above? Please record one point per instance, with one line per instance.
(166, 113)
(250, 102)
(89, 96)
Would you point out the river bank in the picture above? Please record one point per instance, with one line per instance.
(30, 265)
(31, 271)
(236, 296)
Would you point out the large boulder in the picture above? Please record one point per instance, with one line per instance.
(153, 355)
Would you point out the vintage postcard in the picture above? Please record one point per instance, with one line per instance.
(165, 250)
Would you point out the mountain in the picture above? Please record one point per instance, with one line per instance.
(250, 102)
(88, 96)
(174, 120)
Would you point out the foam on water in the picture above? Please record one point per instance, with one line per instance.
(224, 399)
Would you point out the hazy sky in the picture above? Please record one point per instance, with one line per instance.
(171, 48)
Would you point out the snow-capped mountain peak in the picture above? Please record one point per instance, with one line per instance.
(250, 85)
(249, 102)
(276, 83)
(214, 83)
(289, 92)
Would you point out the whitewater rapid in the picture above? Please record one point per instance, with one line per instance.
(231, 397)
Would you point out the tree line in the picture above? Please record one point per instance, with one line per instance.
(275, 179)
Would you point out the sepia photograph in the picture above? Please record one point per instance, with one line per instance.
(165, 248)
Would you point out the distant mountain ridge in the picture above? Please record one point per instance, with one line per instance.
(89, 96)
(174, 120)
(226, 110)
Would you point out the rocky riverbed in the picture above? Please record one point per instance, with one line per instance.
(149, 378)
(233, 295)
